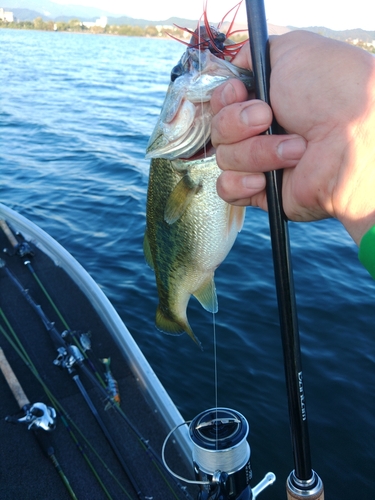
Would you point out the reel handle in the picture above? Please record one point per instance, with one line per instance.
(268, 479)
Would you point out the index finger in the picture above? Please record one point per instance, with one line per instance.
(228, 93)
(240, 121)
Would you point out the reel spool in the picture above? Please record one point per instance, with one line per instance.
(221, 454)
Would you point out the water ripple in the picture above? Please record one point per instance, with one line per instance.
(76, 114)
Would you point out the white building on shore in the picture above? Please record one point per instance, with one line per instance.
(6, 16)
(101, 22)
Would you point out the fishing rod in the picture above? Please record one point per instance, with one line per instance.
(68, 357)
(39, 418)
(302, 481)
(25, 251)
(67, 421)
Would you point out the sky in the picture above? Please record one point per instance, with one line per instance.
(334, 14)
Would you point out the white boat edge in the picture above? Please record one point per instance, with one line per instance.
(148, 380)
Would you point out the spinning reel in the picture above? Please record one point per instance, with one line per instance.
(37, 416)
(221, 456)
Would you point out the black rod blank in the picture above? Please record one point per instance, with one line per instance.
(259, 46)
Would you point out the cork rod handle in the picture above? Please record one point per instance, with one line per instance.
(12, 381)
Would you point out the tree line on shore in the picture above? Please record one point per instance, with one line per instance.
(75, 25)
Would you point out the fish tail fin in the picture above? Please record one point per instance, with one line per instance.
(168, 325)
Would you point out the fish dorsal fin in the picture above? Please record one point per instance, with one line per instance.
(147, 252)
(236, 218)
(206, 294)
(180, 198)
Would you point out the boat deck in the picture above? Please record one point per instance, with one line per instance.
(25, 472)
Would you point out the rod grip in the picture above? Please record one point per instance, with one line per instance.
(12, 381)
(294, 496)
(8, 233)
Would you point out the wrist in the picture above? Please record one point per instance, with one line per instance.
(358, 174)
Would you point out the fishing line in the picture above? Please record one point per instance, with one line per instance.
(200, 65)
(213, 300)
(216, 375)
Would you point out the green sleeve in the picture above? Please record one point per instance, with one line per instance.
(366, 252)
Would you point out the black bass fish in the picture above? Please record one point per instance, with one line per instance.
(189, 228)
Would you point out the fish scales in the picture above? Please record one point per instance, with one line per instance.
(189, 228)
(185, 253)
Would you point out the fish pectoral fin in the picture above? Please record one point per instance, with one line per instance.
(206, 295)
(147, 252)
(180, 198)
(168, 325)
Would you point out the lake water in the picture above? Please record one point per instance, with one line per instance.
(76, 112)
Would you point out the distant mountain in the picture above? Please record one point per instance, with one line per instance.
(353, 34)
(27, 14)
(28, 10)
(51, 10)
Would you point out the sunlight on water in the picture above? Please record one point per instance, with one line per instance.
(76, 113)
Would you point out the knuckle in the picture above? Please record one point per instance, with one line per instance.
(256, 153)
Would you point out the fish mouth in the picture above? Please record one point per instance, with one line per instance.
(184, 126)
(205, 152)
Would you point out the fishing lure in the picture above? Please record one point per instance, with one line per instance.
(112, 385)
(209, 37)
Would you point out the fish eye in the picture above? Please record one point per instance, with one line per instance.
(176, 72)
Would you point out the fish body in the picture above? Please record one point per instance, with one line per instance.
(189, 228)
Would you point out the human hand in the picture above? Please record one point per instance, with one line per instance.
(322, 93)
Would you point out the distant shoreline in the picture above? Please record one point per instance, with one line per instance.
(161, 32)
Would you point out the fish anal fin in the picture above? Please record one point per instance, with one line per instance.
(206, 294)
(168, 325)
(147, 252)
(180, 198)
